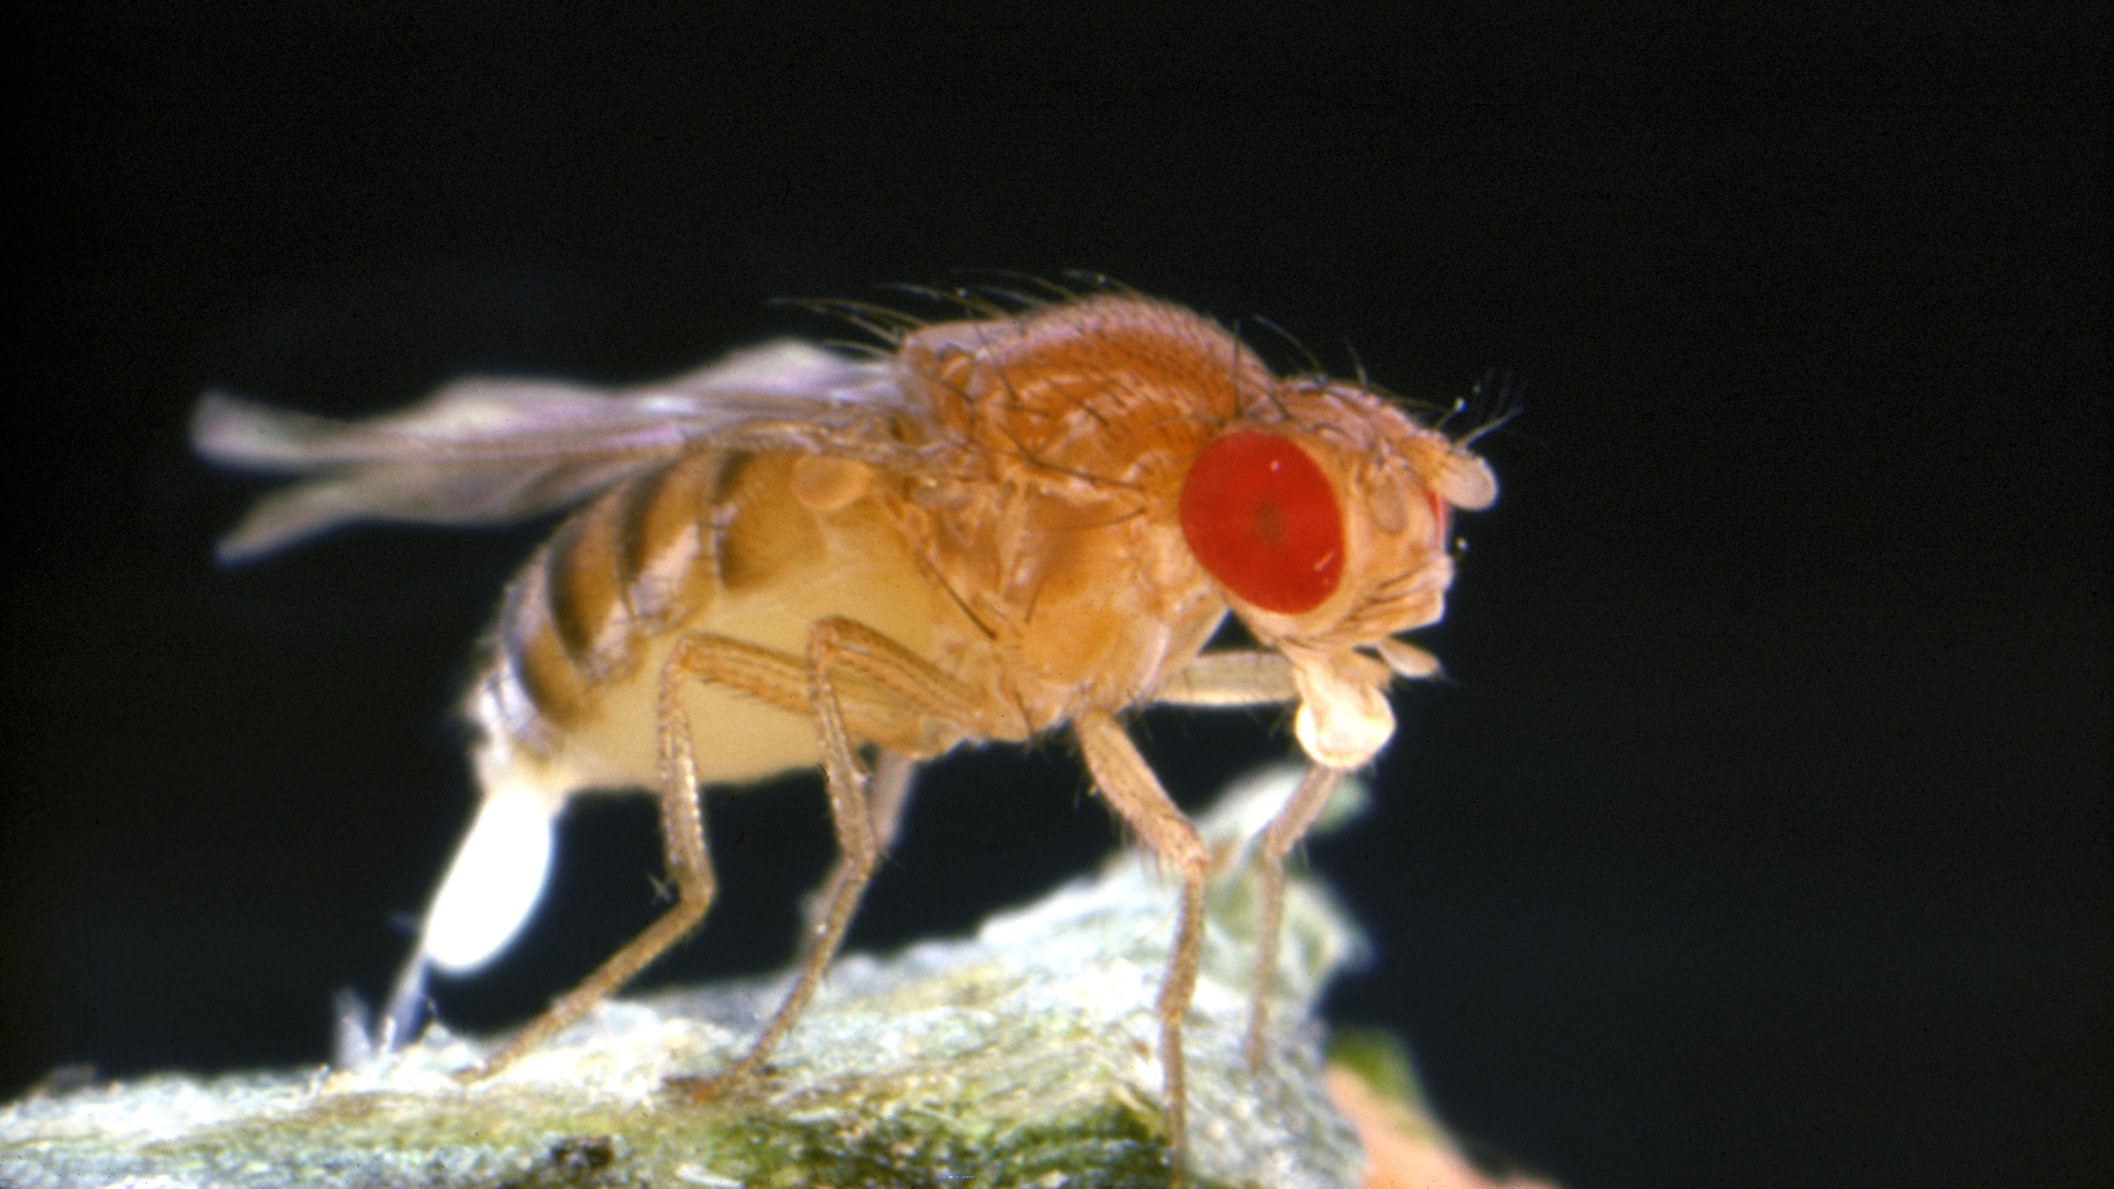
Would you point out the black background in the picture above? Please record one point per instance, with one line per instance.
(1763, 836)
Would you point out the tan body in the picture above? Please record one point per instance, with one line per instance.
(1000, 529)
(721, 544)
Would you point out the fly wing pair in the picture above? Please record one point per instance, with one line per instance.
(485, 451)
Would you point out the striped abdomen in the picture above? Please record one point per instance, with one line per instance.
(757, 547)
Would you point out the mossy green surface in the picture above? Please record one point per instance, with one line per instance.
(1381, 1061)
(1024, 1056)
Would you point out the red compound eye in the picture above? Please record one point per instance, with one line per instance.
(1260, 515)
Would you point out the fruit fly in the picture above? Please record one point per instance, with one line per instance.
(1030, 518)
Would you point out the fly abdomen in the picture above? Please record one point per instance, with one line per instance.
(620, 571)
(666, 546)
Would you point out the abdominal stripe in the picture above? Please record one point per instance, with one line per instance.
(636, 561)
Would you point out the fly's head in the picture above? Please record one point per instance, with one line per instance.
(1325, 517)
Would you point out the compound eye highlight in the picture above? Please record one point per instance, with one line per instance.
(1261, 516)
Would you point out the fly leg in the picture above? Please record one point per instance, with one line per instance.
(1256, 678)
(887, 792)
(1279, 837)
(855, 673)
(682, 835)
(1131, 789)
(765, 675)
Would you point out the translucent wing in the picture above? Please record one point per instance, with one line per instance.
(487, 451)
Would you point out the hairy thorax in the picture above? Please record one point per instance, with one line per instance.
(1053, 525)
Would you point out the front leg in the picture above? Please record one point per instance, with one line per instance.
(1260, 678)
(1229, 680)
(1278, 838)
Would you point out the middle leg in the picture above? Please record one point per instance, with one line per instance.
(1129, 786)
(890, 678)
